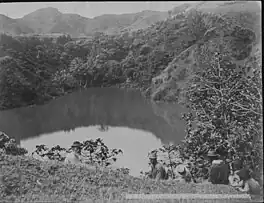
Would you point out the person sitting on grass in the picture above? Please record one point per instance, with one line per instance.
(250, 185)
(74, 156)
(183, 174)
(157, 172)
(219, 171)
(233, 178)
(201, 171)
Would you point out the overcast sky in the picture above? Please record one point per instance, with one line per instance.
(86, 9)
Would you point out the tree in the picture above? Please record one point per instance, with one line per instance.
(64, 79)
(63, 39)
(128, 62)
(115, 73)
(145, 49)
(9, 146)
(9, 42)
(228, 110)
(195, 22)
(170, 13)
(99, 153)
(81, 72)
(15, 84)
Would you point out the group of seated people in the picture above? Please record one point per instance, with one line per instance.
(220, 172)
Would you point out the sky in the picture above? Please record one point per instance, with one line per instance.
(86, 9)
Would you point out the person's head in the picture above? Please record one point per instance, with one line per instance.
(153, 157)
(76, 147)
(181, 169)
(200, 162)
(212, 155)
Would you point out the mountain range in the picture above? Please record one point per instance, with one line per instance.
(37, 22)
(50, 20)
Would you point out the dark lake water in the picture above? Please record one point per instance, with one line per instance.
(135, 125)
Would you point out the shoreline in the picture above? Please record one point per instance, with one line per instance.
(119, 86)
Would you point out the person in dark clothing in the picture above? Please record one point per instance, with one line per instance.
(250, 185)
(219, 174)
(219, 171)
(183, 174)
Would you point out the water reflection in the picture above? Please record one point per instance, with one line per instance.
(101, 107)
(135, 143)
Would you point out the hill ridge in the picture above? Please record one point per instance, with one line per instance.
(75, 24)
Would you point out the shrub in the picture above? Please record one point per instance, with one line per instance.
(9, 146)
(92, 151)
(227, 105)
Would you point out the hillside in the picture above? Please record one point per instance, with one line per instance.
(12, 26)
(76, 25)
(242, 39)
(56, 22)
(158, 60)
(50, 181)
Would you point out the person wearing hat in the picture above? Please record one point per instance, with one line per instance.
(219, 170)
(74, 156)
(183, 174)
(157, 171)
(214, 158)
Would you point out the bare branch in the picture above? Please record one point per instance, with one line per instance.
(246, 109)
(251, 97)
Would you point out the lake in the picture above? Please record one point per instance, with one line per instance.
(133, 123)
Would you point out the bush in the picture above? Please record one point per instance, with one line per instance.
(92, 151)
(9, 146)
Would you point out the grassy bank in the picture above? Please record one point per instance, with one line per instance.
(29, 180)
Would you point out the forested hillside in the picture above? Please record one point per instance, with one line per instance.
(158, 60)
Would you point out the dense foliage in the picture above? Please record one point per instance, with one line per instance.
(228, 116)
(9, 146)
(227, 101)
(45, 67)
(94, 152)
(224, 92)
